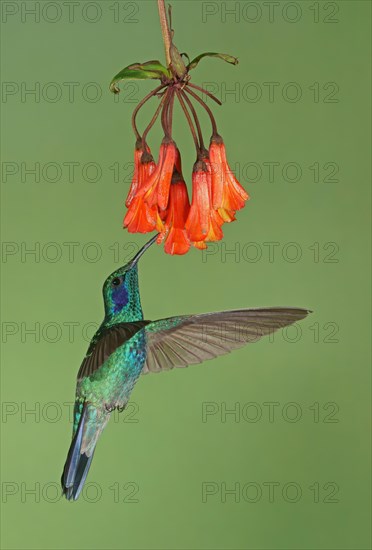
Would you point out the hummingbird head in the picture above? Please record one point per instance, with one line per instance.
(121, 292)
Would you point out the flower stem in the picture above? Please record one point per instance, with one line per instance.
(170, 112)
(165, 30)
(194, 114)
(204, 92)
(152, 122)
(187, 114)
(140, 105)
(164, 114)
(203, 104)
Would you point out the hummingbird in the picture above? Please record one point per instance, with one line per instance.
(126, 346)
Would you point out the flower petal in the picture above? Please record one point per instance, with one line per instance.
(197, 223)
(135, 180)
(177, 241)
(227, 192)
(200, 244)
(166, 176)
(227, 215)
(140, 218)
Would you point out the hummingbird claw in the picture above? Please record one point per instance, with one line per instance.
(111, 408)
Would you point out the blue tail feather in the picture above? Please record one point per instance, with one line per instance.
(77, 464)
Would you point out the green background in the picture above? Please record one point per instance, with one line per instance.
(169, 452)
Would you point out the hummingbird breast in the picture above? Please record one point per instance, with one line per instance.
(111, 384)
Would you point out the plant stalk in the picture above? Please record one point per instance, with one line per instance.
(165, 30)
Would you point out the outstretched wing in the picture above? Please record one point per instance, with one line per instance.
(191, 339)
(106, 343)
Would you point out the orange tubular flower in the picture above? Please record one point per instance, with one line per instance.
(156, 189)
(135, 180)
(203, 222)
(227, 193)
(144, 166)
(197, 223)
(177, 241)
(140, 217)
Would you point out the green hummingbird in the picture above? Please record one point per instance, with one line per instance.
(126, 345)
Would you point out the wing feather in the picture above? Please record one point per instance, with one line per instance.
(192, 339)
(105, 343)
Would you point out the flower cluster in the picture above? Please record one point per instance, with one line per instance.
(158, 198)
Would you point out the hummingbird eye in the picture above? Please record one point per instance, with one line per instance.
(116, 282)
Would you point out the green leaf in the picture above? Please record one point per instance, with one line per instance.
(139, 71)
(224, 56)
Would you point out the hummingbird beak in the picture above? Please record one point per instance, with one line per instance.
(142, 251)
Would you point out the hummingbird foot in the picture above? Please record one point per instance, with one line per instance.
(111, 408)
